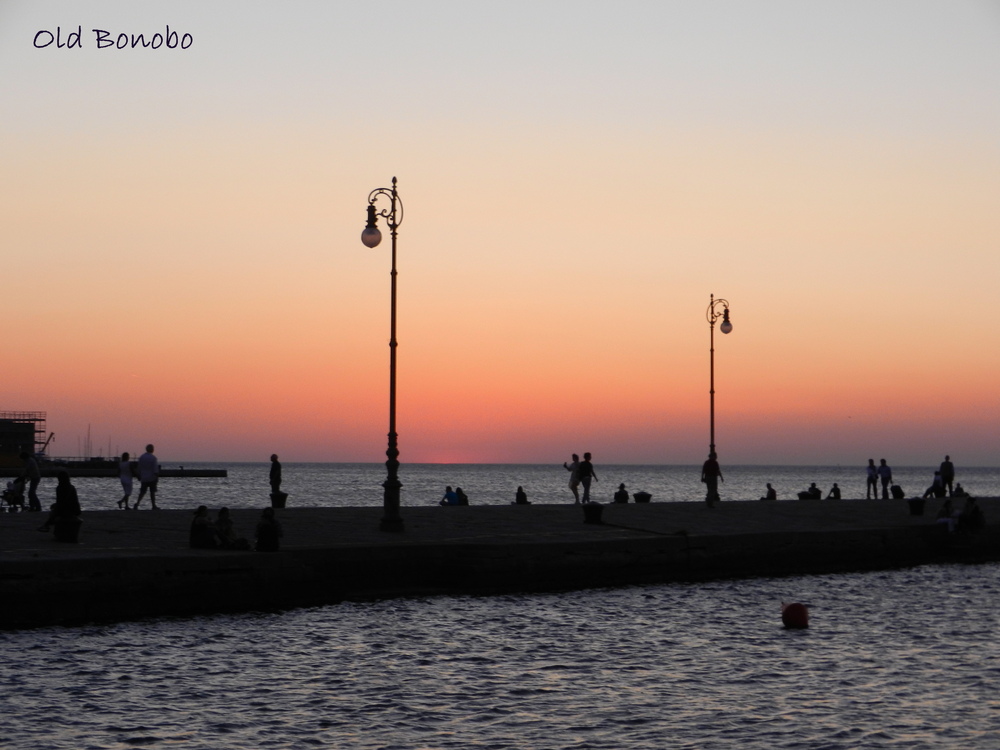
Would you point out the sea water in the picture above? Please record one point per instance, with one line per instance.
(898, 659)
(337, 485)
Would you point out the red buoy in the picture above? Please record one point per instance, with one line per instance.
(795, 615)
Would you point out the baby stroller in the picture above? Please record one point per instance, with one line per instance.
(12, 499)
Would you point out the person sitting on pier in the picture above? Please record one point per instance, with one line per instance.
(959, 491)
(268, 532)
(203, 534)
(971, 519)
(771, 494)
(622, 495)
(813, 493)
(947, 515)
(937, 488)
(450, 498)
(834, 492)
(227, 532)
(463, 499)
(521, 497)
(67, 504)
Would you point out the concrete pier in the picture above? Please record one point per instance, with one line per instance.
(137, 563)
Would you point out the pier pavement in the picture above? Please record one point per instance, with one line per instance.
(138, 564)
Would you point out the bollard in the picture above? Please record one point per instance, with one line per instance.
(278, 499)
(916, 506)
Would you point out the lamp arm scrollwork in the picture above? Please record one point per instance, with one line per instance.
(393, 215)
(712, 314)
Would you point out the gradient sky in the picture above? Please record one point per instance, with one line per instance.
(182, 263)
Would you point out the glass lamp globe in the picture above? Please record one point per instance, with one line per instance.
(371, 236)
(726, 326)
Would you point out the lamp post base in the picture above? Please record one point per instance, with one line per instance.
(391, 520)
(391, 524)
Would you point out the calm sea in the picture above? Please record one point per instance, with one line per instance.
(332, 485)
(901, 659)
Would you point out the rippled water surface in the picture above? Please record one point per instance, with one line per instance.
(906, 659)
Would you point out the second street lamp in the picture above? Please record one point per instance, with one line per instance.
(711, 473)
(371, 237)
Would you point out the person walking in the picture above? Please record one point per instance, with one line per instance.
(125, 474)
(574, 477)
(32, 475)
(149, 474)
(586, 472)
(885, 474)
(711, 475)
(872, 472)
(948, 473)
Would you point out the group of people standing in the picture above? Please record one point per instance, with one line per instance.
(146, 469)
(944, 484)
(873, 475)
(580, 472)
(944, 479)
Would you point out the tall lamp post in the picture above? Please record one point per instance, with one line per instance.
(371, 237)
(713, 315)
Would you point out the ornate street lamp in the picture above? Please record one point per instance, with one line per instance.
(713, 315)
(371, 237)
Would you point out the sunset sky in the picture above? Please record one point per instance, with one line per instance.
(181, 229)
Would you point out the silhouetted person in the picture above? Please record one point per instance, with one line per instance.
(947, 515)
(586, 473)
(871, 472)
(622, 495)
(885, 475)
(32, 475)
(521, 497)
(268, 532)
(574, 476)
(937, 486)
(227, 532)
(203, 535)
(813, 493)
(463, 499)
(275, 475)
(948, 474)
(971, 519)
(960, 491)
(711, 475)
(771, 493)
(450, 497)
(834, 492)
(149, 475)
(125, 474)
(14, 494)
(67, 504)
